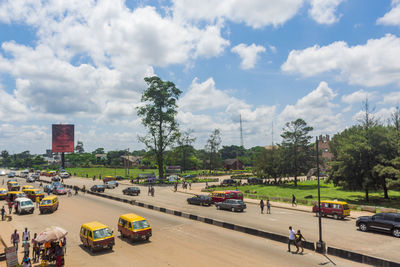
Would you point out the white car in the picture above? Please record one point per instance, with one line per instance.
(2, 173)
(24, 205)
(64, 175)
(109, 185)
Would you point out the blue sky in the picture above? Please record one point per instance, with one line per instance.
(83, 62)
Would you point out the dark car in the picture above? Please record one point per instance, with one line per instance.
(48, 188)
(385, 222)
(97, 188)
(119, 178)
(131, 191)
(35, 176)
(55, 179)
(228, 182)
(231, 204)
(11, 175)
(254, 180)
(200, 200)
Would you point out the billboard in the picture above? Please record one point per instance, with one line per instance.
(63, 137)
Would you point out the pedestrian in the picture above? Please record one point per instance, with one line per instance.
(3, 211)
(299, 242)
(149, 191)
(152, 191)
(268, 207)
(262, 206)
(37, 202)
(69, 192)
(206, 185)
(294, 200)
(26, 261)
(292, 238)
(35, 248)
(190, 185)
(15, 239)
(84, 189)
(10, 205)
(26, 247)
(26, 234)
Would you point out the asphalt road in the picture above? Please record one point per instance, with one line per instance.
(336, 233)
(175, 242)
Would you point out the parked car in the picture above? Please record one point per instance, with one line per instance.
(109, 185)
(254, 180)
(97, 188)
(64, 175)
(24, 174)
(385, 222)
(24, 205)
(337, 209)
(202, 200)
(132, 191)
(118, 178)
(36, 176)
(113, 182)
(2, 173)
(59, 190)
(30, 179)
(48, 188)
(231, 204)
(55, 179)
(228, 182)
(11, 174)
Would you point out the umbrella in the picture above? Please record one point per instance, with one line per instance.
(52, 233)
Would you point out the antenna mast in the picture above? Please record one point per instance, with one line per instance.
(241, 130)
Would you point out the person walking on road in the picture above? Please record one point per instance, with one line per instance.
(299, 242)
(10, 206)
(152, 191)
(26, 235)
(26, 247)
(3, 211)
(292, 238)
(268, 207)
(293, 201)
(15, 239)
(149, 191)
(262, 206)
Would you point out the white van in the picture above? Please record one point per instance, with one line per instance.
(24, 174)
(24, 205)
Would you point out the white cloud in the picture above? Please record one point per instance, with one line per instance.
(392, 98)
(316, 108)
(358, 97)
(254, 13)
(393, 16)
(248, 54)
(323, 11)
(372, 64)
(11, 109)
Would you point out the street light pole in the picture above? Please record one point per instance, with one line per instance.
(320, 243)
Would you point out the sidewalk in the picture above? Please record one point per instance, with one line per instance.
(196, 190)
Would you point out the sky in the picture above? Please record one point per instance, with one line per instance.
(267, 61)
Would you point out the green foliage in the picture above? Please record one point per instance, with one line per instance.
(298, 153)
(158, 116)
(212, 149)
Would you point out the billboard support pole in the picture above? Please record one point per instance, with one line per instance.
(62, 160)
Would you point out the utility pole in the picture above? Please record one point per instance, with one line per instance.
(320, 244)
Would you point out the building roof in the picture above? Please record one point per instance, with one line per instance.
(231, 161)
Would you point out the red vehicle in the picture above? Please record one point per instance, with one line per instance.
(109, 178)
(59, 190)
(220, 196)
(337, 209)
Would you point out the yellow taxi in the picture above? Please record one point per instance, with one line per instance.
(33, 193)
(49, 204)
(3, 193)
(96, 235)
(12, 195)
(13, 186)
(27, 187)
(134, 227)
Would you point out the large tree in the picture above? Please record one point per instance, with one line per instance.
(298, 152)
(212, 147)
(186, 149)
(158, 116)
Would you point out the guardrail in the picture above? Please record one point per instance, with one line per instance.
(342, 253)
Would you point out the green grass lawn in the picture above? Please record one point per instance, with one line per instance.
(328, 192)
(133, 173)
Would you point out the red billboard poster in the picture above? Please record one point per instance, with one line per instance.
(63, 138)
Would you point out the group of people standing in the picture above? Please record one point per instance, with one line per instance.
(268, 204)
